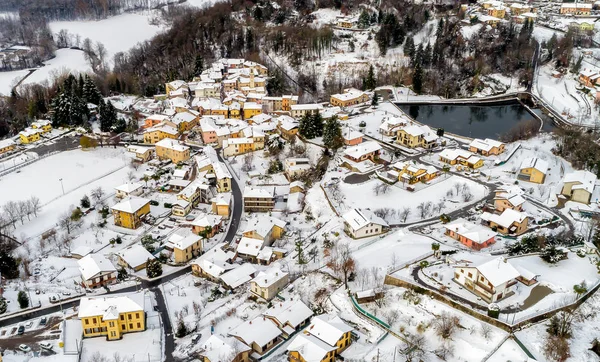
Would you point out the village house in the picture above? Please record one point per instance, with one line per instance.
(348, 98)
(209, 163)
(181, 207)
(129, 213)
(213, 264)
(29, 135)
(300, 110)
(184, 247)
(159, 132)
(251, 109)
(134, 257)
(42, 125)
(497, 11)
(129, 189)
(411, 173)
(469, 234)
(268, 283)
(96, 271)
(508, 197)
(185, 121)
(112, 316)
(344, 22)
(265, 228)
(154, 120)
(391, 124)
(460, 157)
(369, 150)
(510, 222)
(258, 199)
(351, 137)
(518, 9)
(194, 193)
(581, 27)
(259, 333)
(216, 347)
(220, 204)
(176, 88)
(239, 146)
(492, 280)
(363, 223)
(207, 225)
(238, 276)
(249, 249)
(521, 19)
(295, 167)
(579, 186)
(168, 149)
(287, 126)
(588, 77)
(289, 316)
(486, 147)
(533, 170)
(414, 136)
(142, 154)
(332, 330)
(7, 145)
(576, 8)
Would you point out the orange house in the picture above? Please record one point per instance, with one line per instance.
(351, 137)
(154, 119)
(469, 234)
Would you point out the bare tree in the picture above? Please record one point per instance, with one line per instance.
(486, 331)
(557, 349)
(381, 188)
(248, 159)
(23, 211)
(446, 351)
(340, 261)
(130, 175)
(97, 194)
(392, 316)
(35, 205)
(445, 325)
(414, 350)
(404, 213)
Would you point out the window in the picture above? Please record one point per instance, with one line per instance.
(112, 324)
(113, 334)
(129, 316)
(123, 327)
(470, 275)
(87, 321)
(130, 325)
(122, 317)
(94, 320)
(139, 325)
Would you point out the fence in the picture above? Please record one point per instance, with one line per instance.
(26, 163)
(392, 270)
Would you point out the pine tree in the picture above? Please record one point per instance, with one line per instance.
(332, 134)
(371, 82)
(62, 109)
(105, 121)
(304, 125)
(91, 94)
(79, 112)
(418, 78)
(317, 122)
(364, 20)
(596, 237)
(375, 100)
(440, 29)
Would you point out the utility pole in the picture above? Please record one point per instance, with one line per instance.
(61, 185)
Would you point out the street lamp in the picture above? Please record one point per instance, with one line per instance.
(61, 185)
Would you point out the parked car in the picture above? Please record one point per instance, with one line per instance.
(29, 324)
(46, 345)
(20, 330)
(196, 338)
(25, 348)
(43, 321)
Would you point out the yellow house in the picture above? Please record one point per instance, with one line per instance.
(581, 27)
(185, 121)
(239, 146)
(345, 23)
(486, 147)
(251, 109)
(288, 127)
(413, 172)
(142, 154)
(176, 88)
(134, 257)
(416, 136)
(576, 8)
(259, 199)
(265, 228)
(172, 150)
(497, 12)
(7, 145)
(268, 283)
(216, 347)
(510, 222)
(348, 98)
(29, 135)
(288, 101)
(578, 186)
(112, 316)
(160, 132)
(260, 334)
(460, 157)
(220, 204)
(326, 337)
(43, 125)
(184, 247)
(129, 213)
(533, 170)
(235, 110)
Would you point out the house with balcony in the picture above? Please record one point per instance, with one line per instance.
(129, 213)
(410, 172)
(509, 197)
(493, 280)
(289, 316)
(363, 223)
(509, 222)
(111, 317)
(260, 334)
(460, 158)
(414, 136)
(96, 271)
(258, 199)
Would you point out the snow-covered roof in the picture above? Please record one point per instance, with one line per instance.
(250, 246)
(131, 205)
(289, 312)
(163, 128)
(310, 348)
(92, 264)
(129, 187)
(172, 145)
(158, 117)
(348, 95)
(498, 271)
(328, 328)
(350, 134)
(577, 5)
(215, 261)
(183, 117)
(82, 250)
(252, 105)
(536, 163)
(255, 192)
(135, 255)
(258, 330)
(29, 132)
(357, 219)
(261, 118)
(207, 220)
(216, 348)
(238, 276)
(262, 224)
(475, 232)
(362, 149)
(138, 149)
(105, 306)
(182, 241)
(222, 199)
(6, 143)
(584, 180)
(486, 144)
(311, 106)
(266, 278)
(454, 153)
(506, 219)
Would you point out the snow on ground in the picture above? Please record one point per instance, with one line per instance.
(544, 34)
(469, 30)
(118, 33)
(66, 60)
(9, 79)
(362, 196)
(80, 172)
(561, 94)
(509, 351)
(202, 3)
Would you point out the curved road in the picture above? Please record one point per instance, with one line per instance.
(152, 285)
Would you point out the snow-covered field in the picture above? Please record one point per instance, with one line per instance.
(9, 79)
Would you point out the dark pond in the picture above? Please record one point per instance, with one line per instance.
(485, 121)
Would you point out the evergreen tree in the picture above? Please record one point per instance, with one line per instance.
(62, 109)
(382, 41)
(311, 126)
(418, 78)
(332, 134)
(91, 94)
(364, 20)
(85, 202)
(9, 266)
(108, 116)
(577, 65)
(79, 112)
(23, 299)
(375, 100)
(120, 125)
(371, 82)
(440, 29)
(409, 47)
(153, 268)
(427, 55)
(596, 237)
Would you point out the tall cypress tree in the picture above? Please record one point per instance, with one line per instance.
(332, 134)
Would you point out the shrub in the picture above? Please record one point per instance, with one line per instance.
(154, 203)
(23, 299)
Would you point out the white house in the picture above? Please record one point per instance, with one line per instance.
(363, 223)
(134, 257)
(129, 189)
(492, 281)
(268, 283)
(97, 271)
